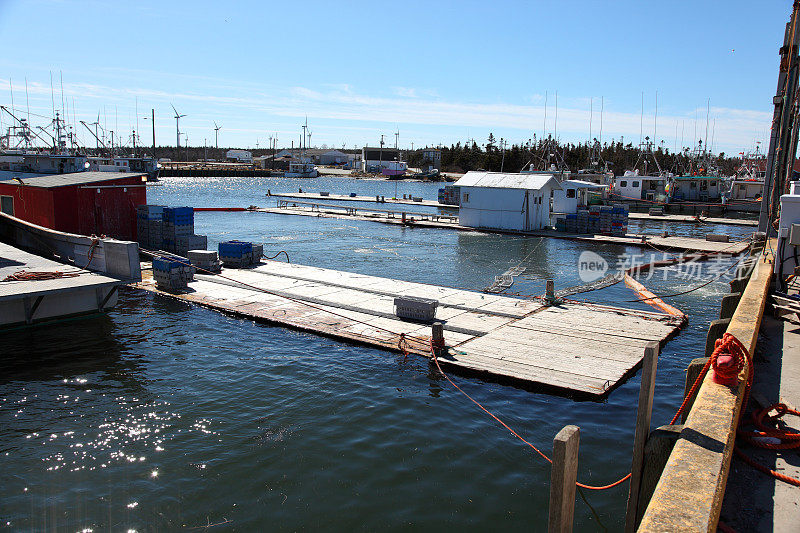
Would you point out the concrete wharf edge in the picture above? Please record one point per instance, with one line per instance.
(581, 349)
(685, 244)
(689, 494)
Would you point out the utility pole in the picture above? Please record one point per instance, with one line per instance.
(782, 141)
(380, 158)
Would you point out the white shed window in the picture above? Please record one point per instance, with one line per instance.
(466, 197)
(570, 193)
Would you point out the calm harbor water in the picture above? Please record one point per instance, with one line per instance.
(163, 416)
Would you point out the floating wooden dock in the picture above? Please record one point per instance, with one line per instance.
(345, 198)
(437, 220)
(689, 219)
(580, 348)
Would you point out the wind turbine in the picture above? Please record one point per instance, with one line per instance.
(216, 134)
(396, 136)
(309, 139)
(178, 117)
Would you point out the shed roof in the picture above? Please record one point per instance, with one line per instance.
(49, 181)
(501, 180)
(582, 184)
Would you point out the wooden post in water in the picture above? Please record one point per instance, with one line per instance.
(437, 338)
(563, 476)
(550, 291)
(643, 413)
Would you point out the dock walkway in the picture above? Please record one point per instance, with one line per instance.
(581, 348)
(447, 222)
(755, 501)
(692, 220)
(26, 302)
(345, 198)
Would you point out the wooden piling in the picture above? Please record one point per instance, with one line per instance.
(656, 453)
(729, 303)
(563, 476)
(716, 329)
(550, 290)
(643, 414)
(692, 371)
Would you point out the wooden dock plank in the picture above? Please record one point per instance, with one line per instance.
(576, 347)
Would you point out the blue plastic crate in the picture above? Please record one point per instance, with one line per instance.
(236, 249)
(180, 216)
(166, 263)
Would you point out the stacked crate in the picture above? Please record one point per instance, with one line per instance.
(593, 226)
(185, 243)
(236, 254)
(205, 259)
(619, 219)
(571, 223)
(605, 219)
(582, 221)
(257, 253)
(171, 273)
(149, 226)
(178, 222)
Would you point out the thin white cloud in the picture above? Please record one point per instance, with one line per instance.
(344, 109)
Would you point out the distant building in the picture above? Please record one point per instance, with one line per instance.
(496, 200)
(326, 156)
(240, 156)
(386, 161)
(431, 159)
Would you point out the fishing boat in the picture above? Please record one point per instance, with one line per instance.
(747, 185)
(301, 169)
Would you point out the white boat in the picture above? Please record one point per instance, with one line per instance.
(301, 169)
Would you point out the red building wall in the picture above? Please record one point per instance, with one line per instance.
(33, 204)
(85, 209)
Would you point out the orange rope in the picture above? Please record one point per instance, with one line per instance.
(729, 359)
(24, 275)
(537, 450)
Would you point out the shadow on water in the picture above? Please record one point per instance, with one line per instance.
(62, 349)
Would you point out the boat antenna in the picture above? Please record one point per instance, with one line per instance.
(52, 97)
(641, 120)
(602, 104)
(63, 106)
(555, 125)
(655, 123)
(708, 109)
(591, 101)
(544, 122)
(11, 88)
(27, 101)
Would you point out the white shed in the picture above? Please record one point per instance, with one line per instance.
(496, 200)
(574, 193)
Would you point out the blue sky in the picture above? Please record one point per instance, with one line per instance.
(440, 72)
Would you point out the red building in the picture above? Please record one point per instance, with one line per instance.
(99, 203)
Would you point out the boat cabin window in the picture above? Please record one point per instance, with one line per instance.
(703, 185)
(742, 187)
(713, 183)
(653, 185)
(693, 185)
(623, 183)
(7, 205)
(570, 193)
(635, 185)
